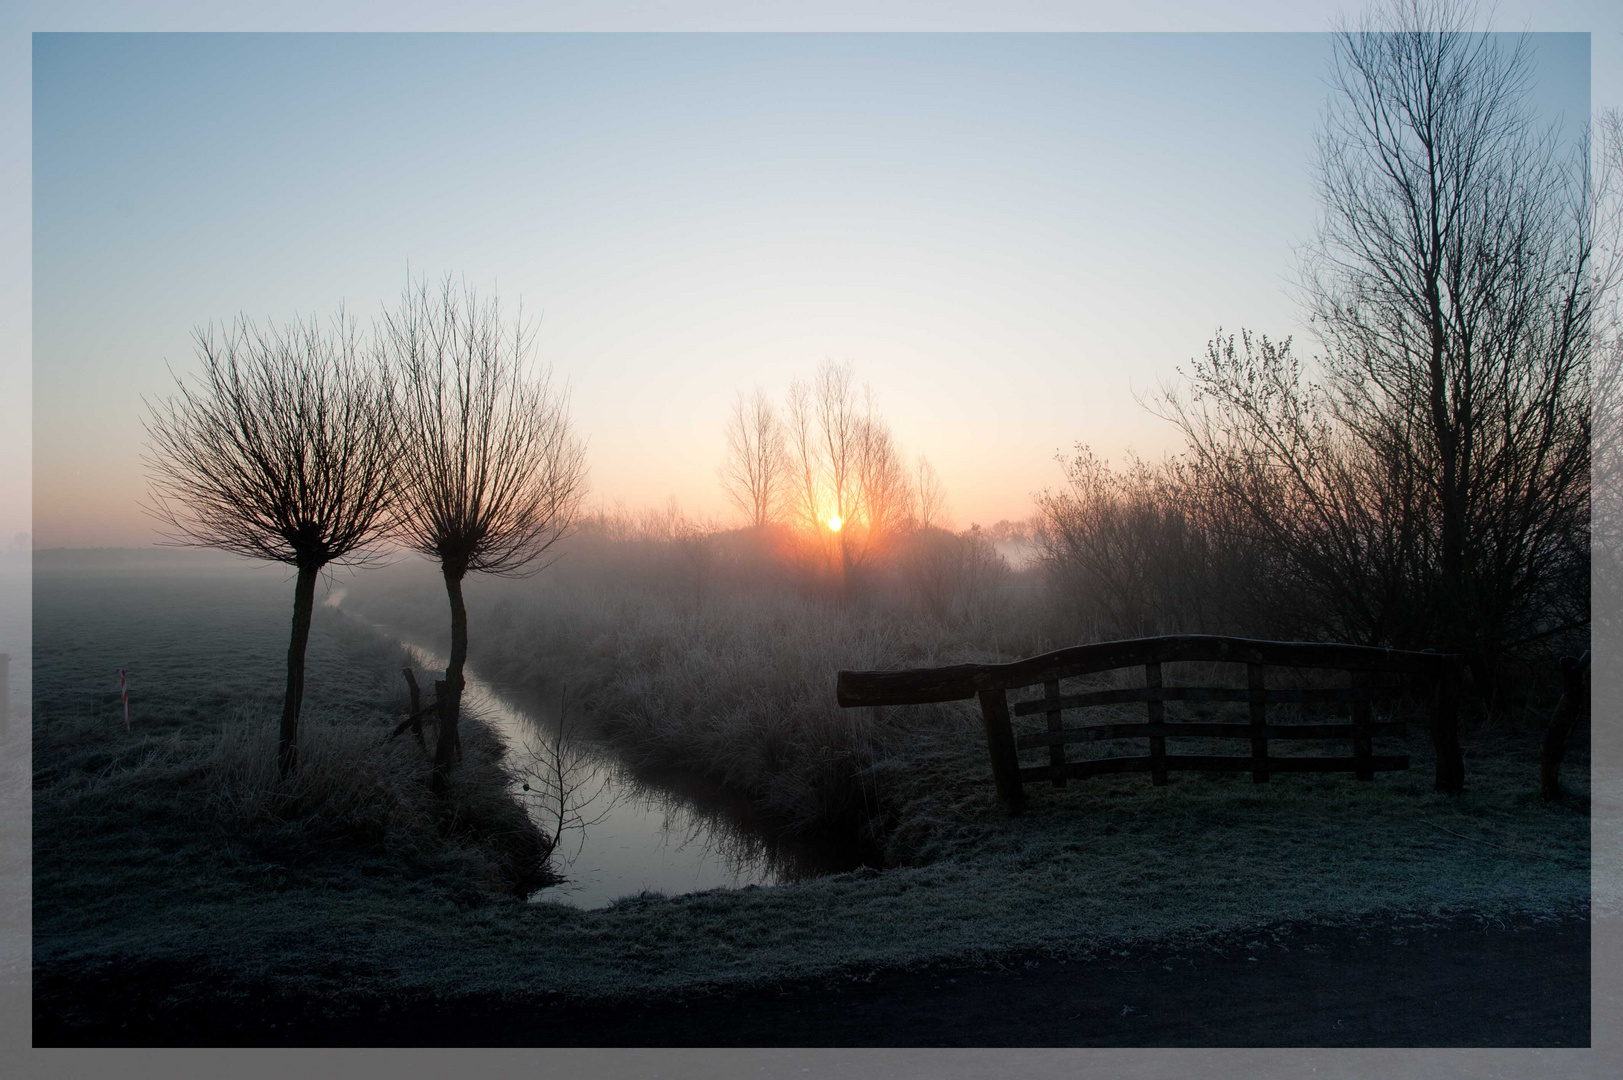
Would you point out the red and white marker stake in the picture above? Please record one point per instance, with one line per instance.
(124, 692)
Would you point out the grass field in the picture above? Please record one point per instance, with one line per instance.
(163, 847)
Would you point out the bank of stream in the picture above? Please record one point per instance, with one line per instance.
(627, 833)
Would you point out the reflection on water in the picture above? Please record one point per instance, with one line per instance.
(623, 834)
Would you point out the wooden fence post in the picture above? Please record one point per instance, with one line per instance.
(990, 683)
(1445, 730)
(1056, 750)
(1157, 713)
(1363, 737)
(416, 708)
(1259, 720)
(1000, 746)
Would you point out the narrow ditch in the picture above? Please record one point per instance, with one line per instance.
(625, 833)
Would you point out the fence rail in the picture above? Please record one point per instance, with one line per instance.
(1197, 730)
(1439, 673)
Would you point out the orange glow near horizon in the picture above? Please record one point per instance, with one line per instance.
(834, 522)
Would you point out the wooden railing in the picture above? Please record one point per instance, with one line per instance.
(1437, 673)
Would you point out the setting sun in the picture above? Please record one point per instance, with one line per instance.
(834, 523)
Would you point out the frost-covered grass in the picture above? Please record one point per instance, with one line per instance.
(1093, 870)
(734, 681)
(167, 843)
(16, 851)
(191, 793)
(737, 683)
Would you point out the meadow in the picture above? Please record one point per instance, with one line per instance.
(739, 687)
(170, 855)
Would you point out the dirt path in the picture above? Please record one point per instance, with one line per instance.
(1374, 985)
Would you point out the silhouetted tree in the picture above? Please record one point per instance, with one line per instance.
(753, 473)
(1432, 480)
(805, 494)
(1452, 288)
(843, 466)
(825, 444)
(886, 497)
(283, 450)
(929, 498)
(493, 475)
(1607, 444)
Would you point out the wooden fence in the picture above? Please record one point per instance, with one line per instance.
(1437, 675)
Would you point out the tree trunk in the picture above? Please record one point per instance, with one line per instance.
(445, 750)
(304, 596)
(1574, 703)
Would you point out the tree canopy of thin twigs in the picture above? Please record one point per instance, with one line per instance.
(1430, 480)
(283, 449)
(1133, 551)
(929, 508)
(1607, 441)
(843, 465)
(753, 473)
(493, 474)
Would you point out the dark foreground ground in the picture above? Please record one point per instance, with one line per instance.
(1377, 984)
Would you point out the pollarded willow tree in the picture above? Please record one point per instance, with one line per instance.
(284, 450)
(493, 474)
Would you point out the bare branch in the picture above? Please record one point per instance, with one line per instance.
(753, 474)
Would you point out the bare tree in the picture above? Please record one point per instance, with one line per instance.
(929, 498)
(283, 450)
(847, 478)
(1451, 285)
(753, 474)
(805, 462)
(1431, 480)
(845, 482)
(1607, 382)
(884, 503)
(494, 475)
(841, 437)
(1342, 526)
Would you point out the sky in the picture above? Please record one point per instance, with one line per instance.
(1011, 238)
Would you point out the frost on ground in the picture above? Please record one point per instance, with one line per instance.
(171, 843)
(741, 687)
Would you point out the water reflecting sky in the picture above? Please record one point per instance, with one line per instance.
(631, 834)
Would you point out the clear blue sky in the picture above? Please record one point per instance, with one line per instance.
(1005, 235)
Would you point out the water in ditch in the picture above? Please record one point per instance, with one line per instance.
(626, 834)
